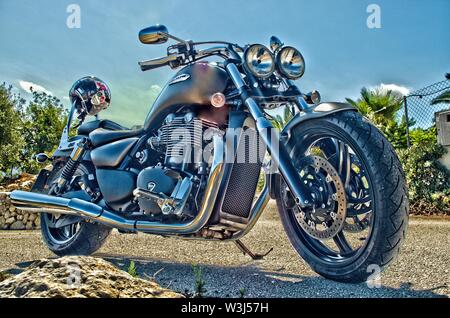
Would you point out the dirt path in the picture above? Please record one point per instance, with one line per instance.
(423, 269)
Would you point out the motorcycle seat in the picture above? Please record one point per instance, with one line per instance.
(86, 128)
(102, 136)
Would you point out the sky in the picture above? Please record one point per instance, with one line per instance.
(410, 50)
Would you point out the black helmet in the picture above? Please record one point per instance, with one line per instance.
(91, 95)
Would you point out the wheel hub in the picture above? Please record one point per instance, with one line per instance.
(327, 217)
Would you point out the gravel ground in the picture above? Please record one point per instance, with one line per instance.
(422, 270)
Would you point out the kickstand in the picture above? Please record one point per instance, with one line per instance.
(244, 249)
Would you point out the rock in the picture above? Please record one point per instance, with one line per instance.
(79, 277)
(25, 218)
(37, 222)
(32, 217)
(6, 215)
(20, 217)
(29, 225)
(12, 208)
(18, 225)
(10, 221)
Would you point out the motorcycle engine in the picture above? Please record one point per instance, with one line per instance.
(171, 188)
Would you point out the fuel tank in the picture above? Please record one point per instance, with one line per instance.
(192, 85)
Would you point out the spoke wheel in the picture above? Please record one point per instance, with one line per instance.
(373, 192)
(350, 192)
(61, 229)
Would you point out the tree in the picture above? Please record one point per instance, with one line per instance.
(378, 104)
(11, 138)
(442, 98)
(280, 121)
(44, 121)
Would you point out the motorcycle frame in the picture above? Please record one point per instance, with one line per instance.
(278, 151)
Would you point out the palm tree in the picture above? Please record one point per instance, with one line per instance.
(279, 121)
(378, 104)
(443, 98)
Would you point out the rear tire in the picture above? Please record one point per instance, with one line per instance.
(389, 199)
(88, 239)
(85, 240)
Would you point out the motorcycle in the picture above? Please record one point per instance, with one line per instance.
(192, 170)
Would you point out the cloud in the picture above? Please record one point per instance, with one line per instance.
(30, 87)
(155, 89)
(395, 88)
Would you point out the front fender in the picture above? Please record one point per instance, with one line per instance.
(321, 110)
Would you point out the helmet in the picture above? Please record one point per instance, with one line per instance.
(90, 95)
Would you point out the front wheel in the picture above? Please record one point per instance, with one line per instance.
(360, 215)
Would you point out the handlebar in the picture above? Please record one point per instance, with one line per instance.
(177, 59)
(158, 62)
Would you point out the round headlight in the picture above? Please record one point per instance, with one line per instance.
(259, 61)
(290, 63)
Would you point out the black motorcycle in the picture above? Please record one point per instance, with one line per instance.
(192, 170)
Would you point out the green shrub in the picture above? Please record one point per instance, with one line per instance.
(428, 180)
(11, 135)
(44, 121)
(27, 129)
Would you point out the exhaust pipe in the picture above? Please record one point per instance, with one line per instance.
(42, 203)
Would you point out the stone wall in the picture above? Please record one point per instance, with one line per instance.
(12, 218)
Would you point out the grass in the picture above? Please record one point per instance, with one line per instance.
(132, 269)
(199, 282)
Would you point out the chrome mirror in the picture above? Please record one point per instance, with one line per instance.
(156, 34)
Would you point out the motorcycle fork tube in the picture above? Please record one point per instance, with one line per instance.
(277, 150)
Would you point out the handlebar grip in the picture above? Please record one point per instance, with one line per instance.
(163, 61)
(152, 67)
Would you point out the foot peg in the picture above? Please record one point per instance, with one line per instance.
(244, 249)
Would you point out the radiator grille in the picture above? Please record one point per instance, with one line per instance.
(244, 175)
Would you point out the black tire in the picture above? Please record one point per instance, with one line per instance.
(88, 238)
(390, 201)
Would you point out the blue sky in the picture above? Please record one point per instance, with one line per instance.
(412, 48)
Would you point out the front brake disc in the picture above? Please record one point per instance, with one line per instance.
(327, 217)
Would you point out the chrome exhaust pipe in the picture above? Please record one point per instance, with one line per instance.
(42, 203)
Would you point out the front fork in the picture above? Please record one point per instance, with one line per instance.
(270, 136)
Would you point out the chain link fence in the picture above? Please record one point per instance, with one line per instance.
(419, 108)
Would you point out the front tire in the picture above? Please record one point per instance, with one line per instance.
(79, 237)
(385, 213)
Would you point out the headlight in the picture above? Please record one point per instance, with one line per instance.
(259, 60)
(290, 63)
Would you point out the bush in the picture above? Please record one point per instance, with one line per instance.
(428, 179)
(11, 137)
(44, 121)
(27, 129)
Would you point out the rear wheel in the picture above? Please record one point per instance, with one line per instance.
(69, 235)
(360, 215)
